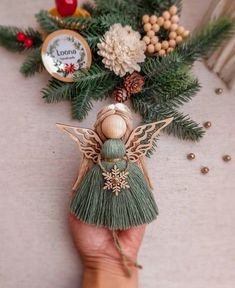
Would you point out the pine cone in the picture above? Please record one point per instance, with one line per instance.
(134, 83)
(121, 94)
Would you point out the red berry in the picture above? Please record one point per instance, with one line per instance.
(21, 37)
(66, 7)
(28, 42)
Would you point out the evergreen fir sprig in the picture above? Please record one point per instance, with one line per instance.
(207, 40)
(8, 39)
(57, 91)
(33, 63)
(82, 104)
(45, 22)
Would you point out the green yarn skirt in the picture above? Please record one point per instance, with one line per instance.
(132, 207)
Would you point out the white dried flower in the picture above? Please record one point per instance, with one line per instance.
(122, 50)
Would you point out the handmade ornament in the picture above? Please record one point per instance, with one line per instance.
(153, 27)
(113, 189)
(66, 8)
(122, 50)
(65, 52)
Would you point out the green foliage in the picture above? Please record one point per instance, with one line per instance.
(45, 22)
(8, 38)
(202, 43)
(33, 63)
(59, 91)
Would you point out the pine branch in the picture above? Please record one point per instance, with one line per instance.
(156, 7)
(202, 43)
(8, 38)
(93, 38)
(88, 7)
(33, 63)
(59, 91)
(81, 104)
(45, 22)
(182, 126)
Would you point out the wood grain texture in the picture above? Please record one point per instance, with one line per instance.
(191, 245)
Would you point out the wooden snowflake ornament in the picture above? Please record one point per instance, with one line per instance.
(115, 180)
(169, 20)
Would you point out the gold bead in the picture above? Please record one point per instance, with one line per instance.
(162, 52)
(160, 21)
(147, 27)
(174, 27)
(156, 27)
(207, 124)
(227, 158)
(180, 30)
(205, 170)
(167, 24)
(169, 50)
(219, 91)
(178, 39)
(172, 35)
(185, 33)
(175, 19)
(153, 19)
(146, 39)
(154, 40)
(173, 10)
(191, 156)
(158, 47)
(165, 44)
(172, 43)
(150, 48)
(150, 33)
(166, 15)
(146, 19)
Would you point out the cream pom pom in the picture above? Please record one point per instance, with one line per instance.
(122, 50)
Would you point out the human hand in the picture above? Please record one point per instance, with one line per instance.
(100, 256)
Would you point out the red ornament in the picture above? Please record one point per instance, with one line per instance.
(28, 43)
(66, 7)
(70, 68)
(21, 37)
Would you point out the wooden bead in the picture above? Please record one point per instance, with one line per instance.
(178, 39)
(162, 52)
(147, 27)
(169, 50)
(146, 39)
(172, 43)
(172, 35)
(227, 158)
(175, 19)
(150, 48)
(156, 28)
(160, 21)
(174, 27)
(158, 47)
(166, 15)
(191, 156)
(154, 40)
(180, 30)
(150, 33)
(185, 33)
(165, 44)
(205, 170)
(219, 91)
(167, 24)
(146, 19)
(114, 127)
(207, 124)
(153, 19)
(173, 10)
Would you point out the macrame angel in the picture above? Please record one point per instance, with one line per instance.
(113, 189)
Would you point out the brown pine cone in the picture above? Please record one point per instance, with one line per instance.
(134, 83)
(120, 94)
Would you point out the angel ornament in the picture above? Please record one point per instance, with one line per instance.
(113, 189)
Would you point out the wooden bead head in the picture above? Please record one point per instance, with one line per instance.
(114, 127)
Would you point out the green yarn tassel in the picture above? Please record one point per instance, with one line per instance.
(132, 207)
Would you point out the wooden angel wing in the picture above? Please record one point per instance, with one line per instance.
(88, 141)
(142, 139)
